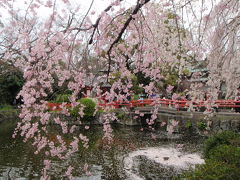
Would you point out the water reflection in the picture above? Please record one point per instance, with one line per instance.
(18, 162)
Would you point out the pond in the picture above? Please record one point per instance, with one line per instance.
(134, 154)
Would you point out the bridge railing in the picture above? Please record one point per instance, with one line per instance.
(175, 103)
(163, 102)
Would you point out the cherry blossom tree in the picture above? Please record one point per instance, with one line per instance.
(145, 38)
(223, 30)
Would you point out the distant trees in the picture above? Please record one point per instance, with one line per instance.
(154, 42)
(11, 82)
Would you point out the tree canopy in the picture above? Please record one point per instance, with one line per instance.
(11, 82)
(155, 41)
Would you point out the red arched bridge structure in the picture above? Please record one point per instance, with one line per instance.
(178, 104)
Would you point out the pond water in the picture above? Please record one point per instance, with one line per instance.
(134, 154)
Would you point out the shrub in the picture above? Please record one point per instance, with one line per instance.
(188, 124)
(121, 115)
(89, 109)
(201, 125)
(226, 137)
(11, 82)
(214, 170)
(227, 154)
(223, 159)
(135, 97)
(62, 98)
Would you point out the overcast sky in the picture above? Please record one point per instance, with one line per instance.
(98, 5)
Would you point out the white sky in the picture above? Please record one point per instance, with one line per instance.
(98, 6)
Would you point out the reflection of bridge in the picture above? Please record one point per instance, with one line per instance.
(178, 104)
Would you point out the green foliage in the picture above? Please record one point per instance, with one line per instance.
(188, 124)
(201, 125)
(214, 170)
(135, 97)
(224, 138)
(101, 111)
(115, 77)
(135, 81)
(186, 72)
(89, 109)
(11, 82)
(121, 115)
(227, 154)
(171, 79)
(89, 106)
(171, 15)
(171, 76)
(62, 98)
(223, 159)
(6, 107)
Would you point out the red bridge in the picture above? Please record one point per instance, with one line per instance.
(175, 103)
(178, 104)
